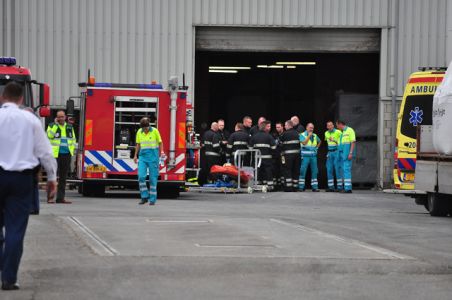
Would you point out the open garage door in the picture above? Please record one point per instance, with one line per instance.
(319, 80)
(287, 40)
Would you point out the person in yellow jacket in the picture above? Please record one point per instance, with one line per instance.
(62, 138)
(333, 138)
(148, 152)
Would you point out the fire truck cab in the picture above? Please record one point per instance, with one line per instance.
(109, 120)
(9, 71)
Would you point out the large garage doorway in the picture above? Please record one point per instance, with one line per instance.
(289, 72)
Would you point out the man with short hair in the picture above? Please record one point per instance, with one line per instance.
(247, 124)
(290, 157)
(310, 143)
(332, 137)
(256, 128)
(224, 136)
(148, 150)
(278, 179)
(347, 151)
(23, 145)
(62, 138)
(265, 143)
(238, 140)
(297, 125)
(211, 141)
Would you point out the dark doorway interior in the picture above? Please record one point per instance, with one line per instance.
(308, 91)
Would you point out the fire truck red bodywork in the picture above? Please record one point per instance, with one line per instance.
(9, 71)
(98, 161)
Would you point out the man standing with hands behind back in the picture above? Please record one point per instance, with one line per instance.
(62, 138)
(23, 144)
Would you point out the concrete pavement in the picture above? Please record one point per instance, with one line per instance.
(367, 245)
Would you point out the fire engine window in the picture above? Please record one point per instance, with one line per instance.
(128, 113)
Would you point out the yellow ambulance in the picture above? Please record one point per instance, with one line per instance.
(416, 109)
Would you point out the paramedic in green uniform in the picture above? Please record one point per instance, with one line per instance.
(333, 137)
(147, 153)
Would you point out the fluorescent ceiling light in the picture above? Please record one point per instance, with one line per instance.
(228, 68)
(310, 63)
(276, 67)
(222, 71)
(262, 66)
(290, 67)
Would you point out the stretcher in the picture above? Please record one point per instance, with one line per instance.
(238, 178)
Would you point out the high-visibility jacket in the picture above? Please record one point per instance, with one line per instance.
(347, 138)
(333, 144)
(149, 143)
(310, 149)
(56, 133)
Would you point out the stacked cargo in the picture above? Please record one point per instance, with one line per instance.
(360, 112)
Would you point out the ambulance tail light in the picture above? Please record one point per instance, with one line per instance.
(396, 153)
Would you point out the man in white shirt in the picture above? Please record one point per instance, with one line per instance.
(23, 144)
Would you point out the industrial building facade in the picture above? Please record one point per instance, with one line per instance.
(359, 47)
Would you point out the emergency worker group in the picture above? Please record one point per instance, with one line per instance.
(287, 153)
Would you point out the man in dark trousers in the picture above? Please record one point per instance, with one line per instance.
(224, 136)
(212, 149)
(23, 145)
(238, 140)
(264, 142)
(291, 157)
(62, 138)
(278, 179)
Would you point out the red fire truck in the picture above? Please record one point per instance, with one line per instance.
(9, 71)
(109, 119)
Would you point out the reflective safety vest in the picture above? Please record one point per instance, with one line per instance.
(310, 149)
(347, 138)
(56, 133)
(150, 140)
(335, 136)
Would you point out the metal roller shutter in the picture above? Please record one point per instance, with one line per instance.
(288, 39)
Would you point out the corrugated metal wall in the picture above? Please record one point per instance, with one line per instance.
(141, 40)
(422, 36)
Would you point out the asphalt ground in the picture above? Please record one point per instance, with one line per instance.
(367, 245)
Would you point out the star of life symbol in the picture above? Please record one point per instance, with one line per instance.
(416, 116)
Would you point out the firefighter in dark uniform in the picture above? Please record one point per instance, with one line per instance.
(239, 140)
(278, 179)
(296, 125)
(264, 142)
(255, 129)
(291, 157)
(247, 124)
(224, 136)
(212, 149)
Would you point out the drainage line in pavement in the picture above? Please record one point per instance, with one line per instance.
(110, 250)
